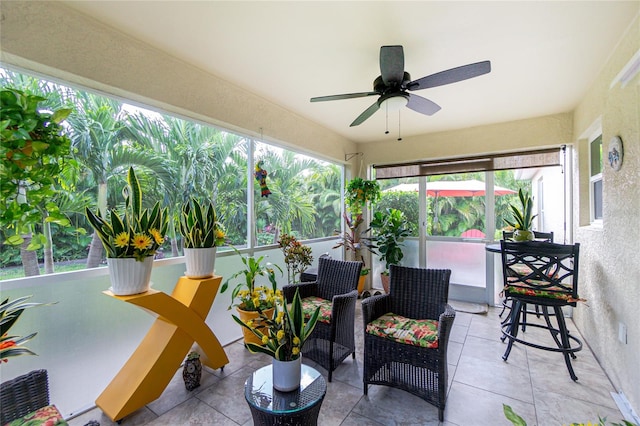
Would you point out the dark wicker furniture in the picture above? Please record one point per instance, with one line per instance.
(300, 407)
(330, 343)
(418, 294)
(23, 395)
(550, 281)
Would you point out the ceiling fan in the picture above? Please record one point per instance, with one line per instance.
(394, 82)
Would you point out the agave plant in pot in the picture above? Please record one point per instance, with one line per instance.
(522, 218)
(202, 233)
(130, 239)
(282, 337)
(253, 301)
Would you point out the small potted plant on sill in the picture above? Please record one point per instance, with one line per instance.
(253, 301)
(390, 228)
(522, 218)
(202, 233)
(282, 337)
(131, 239)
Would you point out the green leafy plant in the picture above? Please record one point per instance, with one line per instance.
(519, 421)
(359, 192)
(283, 336)
(249, 297)
(522, 218)
(10, 312)
(297, 256)
(137, 233)
(33, 153)
(390, 228)
(200, 227)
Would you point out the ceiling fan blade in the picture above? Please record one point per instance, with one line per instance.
(422, 105)
(345, 96)
(391, 64)
(366, 114)
(451, 76)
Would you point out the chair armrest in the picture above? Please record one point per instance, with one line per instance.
(307, 289)
(374, 307)
(445, 322)
(342, 300)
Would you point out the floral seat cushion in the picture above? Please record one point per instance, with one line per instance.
(310, 304)
(552, 292)
(416, 332)
(45, 416)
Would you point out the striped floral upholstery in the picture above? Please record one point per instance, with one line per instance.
(423, 333)
(310, 304)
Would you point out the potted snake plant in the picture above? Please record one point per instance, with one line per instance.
(202, 233)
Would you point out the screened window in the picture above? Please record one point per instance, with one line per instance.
(175, 159)
(595, 178)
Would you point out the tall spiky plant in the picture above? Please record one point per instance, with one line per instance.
(136, 233)
(200, 227)
(522, 218)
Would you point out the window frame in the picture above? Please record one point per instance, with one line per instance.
(594, 179)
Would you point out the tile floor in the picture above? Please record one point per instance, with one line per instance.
(534, 383)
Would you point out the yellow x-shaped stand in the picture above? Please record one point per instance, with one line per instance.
(180, 322)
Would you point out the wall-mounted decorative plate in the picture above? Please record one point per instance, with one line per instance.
(615, 153)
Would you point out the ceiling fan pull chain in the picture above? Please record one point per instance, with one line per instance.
(399, 137)
(386, 115)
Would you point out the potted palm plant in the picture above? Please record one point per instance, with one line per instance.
(202, 233)
(522, 217)
(130, 239)
(282, 337)
(389, 228)
(354, 240)
(253, 301)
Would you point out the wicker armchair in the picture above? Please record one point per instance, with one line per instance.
(394, 354)
(335, 291)
(23, 395)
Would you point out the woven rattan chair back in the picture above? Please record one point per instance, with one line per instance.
(24, 394)
(337, 277)
(417, 292)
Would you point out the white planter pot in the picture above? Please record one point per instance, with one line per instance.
(286, 374)
(128, 276)
(200, 262)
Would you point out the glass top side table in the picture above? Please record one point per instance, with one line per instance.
(271, 407)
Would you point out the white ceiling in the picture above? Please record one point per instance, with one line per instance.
(544, 55)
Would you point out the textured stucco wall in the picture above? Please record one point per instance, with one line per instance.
(610, 255)
(51, 38)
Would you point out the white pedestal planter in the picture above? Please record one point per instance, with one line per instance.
(200, 262)
(128, 276)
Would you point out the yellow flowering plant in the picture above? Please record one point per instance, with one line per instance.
(282, 336)
(246, 295)
(138, 232)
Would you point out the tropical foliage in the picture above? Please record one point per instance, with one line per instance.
(390, 228)
(175, 160)
(10, 311)
(282, 336)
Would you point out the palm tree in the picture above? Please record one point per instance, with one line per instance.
(290, 203)
(103, 145)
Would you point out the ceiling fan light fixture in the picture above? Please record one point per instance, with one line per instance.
(394, 103)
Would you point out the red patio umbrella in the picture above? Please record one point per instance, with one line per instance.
(451, 188)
